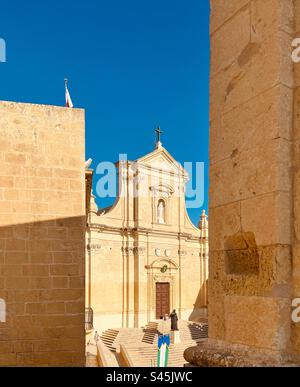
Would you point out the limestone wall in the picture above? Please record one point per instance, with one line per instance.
(42, 225)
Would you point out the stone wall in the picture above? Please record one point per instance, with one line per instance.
(42, 226)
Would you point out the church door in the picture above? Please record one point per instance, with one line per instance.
(162, 299)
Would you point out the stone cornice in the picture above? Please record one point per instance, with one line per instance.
(143, 231)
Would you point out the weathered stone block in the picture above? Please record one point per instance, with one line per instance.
(229, 52)
(242, 256)
(258, 321)
(223, 10)
(252, 172)
(268, 217)
(224, 221)
(253, 124)
(268, 64)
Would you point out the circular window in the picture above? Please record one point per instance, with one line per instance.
(164, 269)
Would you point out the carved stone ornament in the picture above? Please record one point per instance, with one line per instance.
(182, 252)
(158, 252)
(163, 191)
(133, 250)
(94, 246)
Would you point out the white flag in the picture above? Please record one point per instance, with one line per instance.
(69, 102)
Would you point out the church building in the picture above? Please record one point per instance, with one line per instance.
(145, 258)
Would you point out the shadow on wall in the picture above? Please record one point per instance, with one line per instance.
(42, 293)
(200, 305)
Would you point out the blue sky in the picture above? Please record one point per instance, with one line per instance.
(133, 65)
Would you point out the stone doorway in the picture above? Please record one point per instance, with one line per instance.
(162, 299)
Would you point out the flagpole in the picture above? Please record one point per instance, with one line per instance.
(66, 90)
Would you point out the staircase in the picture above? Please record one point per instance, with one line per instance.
(108, 338)
(112, 338)
(150, 333)
(147, 356)
(141, 343)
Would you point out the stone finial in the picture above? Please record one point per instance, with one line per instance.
(203, 225)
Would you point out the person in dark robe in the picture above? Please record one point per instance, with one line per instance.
(174, 321)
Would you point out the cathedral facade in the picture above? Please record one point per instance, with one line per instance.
(144, 255)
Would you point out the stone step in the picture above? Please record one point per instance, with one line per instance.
(141, 344)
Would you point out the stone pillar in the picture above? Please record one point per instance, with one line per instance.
(253, 192)
(295, 339)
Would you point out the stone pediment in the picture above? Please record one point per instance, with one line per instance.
(161, 159)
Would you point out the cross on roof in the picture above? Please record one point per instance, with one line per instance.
(158, 135)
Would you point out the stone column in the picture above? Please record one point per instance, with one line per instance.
(253, 192)
(295, 338)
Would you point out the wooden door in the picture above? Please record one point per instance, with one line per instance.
(162, 299)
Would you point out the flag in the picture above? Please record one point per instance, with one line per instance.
(69, 102)
(163, 350)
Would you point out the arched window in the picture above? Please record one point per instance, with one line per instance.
(161, 212)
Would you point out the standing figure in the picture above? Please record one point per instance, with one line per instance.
(174, 321)
(96, 337)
